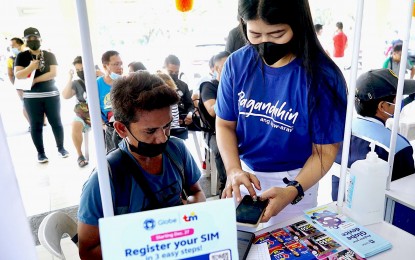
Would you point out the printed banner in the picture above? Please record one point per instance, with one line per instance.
(195, 231)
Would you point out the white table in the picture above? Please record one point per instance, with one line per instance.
(403, 243)
(401, 191)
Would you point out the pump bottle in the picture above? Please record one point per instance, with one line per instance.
(365, 199)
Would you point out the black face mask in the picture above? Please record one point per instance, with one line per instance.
(175, 77)
(81, 75)
(34, 45)
(272, 52)
(146, 149)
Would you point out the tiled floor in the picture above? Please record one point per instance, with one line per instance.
(58, 183)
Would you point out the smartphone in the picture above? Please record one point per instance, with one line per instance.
(245, 240)
(249, 212)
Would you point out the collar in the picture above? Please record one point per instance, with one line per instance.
(373, 119)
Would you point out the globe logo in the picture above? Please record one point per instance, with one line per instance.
(149, 224)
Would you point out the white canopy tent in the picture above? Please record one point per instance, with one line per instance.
(18, 237)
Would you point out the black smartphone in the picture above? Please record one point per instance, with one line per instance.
(250, 211)
(245, 240)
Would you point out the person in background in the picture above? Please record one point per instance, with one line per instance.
(280, 109)
(235, 39)
(339, 45)
(141, 104)
(82, 121)
(186, 108)
(16, 45)
(375, 103)
(319, 31)
(394, 61)
(175, 128)
(208, 93)
(136, 66)
(43, 97)
(113, 66)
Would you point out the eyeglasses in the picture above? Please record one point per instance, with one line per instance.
(391, 104)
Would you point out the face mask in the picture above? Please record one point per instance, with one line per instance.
(114, 76)
(148, 150)
(80, 74)
(33, 45)
(15, 51)
(175, 77)
(389, 114)
(215, 75)
(272, 52)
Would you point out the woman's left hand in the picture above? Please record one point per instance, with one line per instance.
(279, 198)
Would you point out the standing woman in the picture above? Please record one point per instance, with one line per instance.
(281, 109)
(43, 97)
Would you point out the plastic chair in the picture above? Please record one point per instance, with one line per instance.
(51, 230)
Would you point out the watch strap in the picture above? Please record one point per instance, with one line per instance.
(299, 188)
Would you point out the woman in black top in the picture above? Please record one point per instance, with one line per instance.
(43, 97)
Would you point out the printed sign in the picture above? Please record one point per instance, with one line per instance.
(195, 231)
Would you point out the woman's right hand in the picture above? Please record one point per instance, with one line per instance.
(236, 178)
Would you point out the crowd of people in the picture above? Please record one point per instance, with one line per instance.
(274, 104)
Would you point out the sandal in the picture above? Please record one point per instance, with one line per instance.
(82, 161)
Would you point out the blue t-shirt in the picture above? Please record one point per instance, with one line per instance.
(104, 98)
(274, 127)
(90, 206)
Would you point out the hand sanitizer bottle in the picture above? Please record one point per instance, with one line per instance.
(365, 199)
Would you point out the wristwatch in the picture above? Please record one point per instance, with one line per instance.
(299, 188)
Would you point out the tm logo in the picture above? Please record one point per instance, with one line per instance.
(149, 224)
(191, 217)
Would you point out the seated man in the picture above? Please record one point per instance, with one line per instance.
(375, 103)
(208, 93)
(113, 67)
(154, 168)
(172, 66)
(394, 61)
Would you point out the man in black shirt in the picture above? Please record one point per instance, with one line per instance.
(208, 93)
(186, 107)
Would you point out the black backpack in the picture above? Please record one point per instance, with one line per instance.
(204, 121)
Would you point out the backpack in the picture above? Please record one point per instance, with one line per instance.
(207, 121)
(121, 166)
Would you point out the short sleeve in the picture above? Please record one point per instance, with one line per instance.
(10, 63)
(191, 171)
(51, 59)
(224, 107)
(90, 206)
(208, 91)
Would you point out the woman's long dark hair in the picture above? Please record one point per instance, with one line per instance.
(304, 45)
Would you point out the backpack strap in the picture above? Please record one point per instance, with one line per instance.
(121, 166)
(175, 156)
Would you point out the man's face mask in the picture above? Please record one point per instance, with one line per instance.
(114, 76)
(272, 52)
(175, 77)
(33, 44)
(15, 51)
(146, 149)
